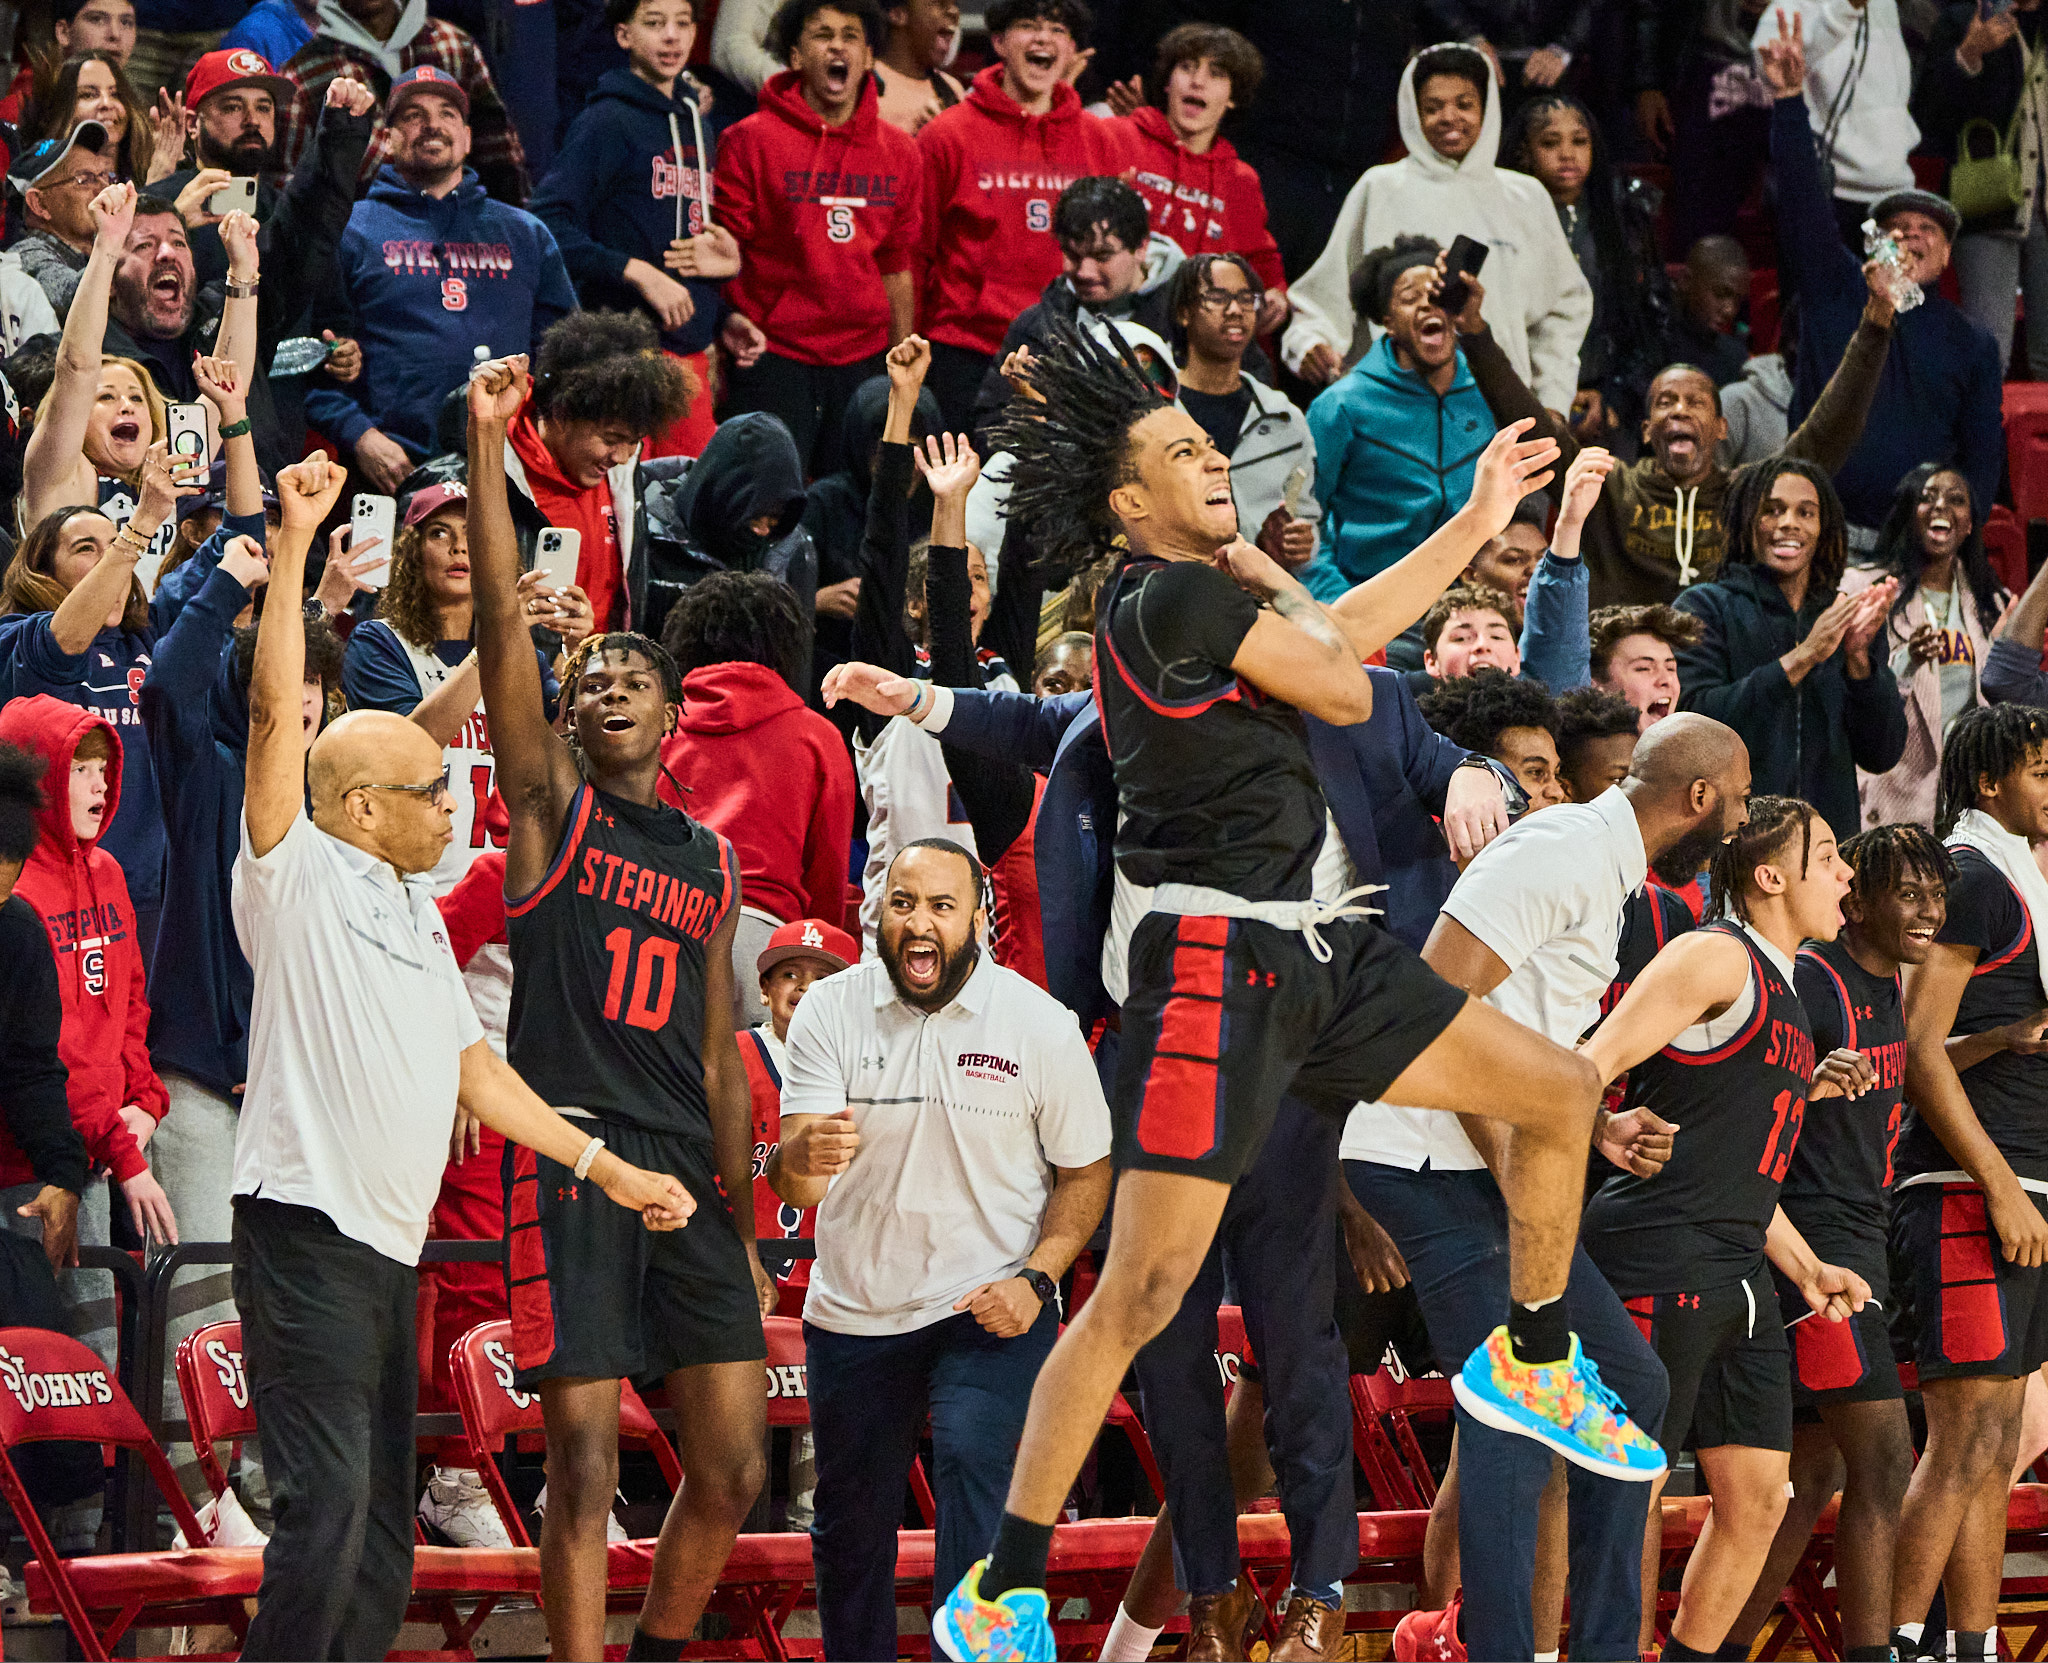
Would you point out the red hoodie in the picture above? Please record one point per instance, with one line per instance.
(991, 177)
(1208, 204)
(562, 502)
(824, 214)
(773, 777)
(79, 892)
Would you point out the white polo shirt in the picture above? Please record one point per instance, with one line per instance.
(357, 1025)
(962, 1117)
(1546, 897)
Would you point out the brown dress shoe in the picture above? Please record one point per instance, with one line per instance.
(1217, 1625)
(1309, 1630)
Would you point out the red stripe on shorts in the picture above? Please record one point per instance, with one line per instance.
(1972, 1311)
(1643, 1311)
(1181, 1117)
(526, 1266)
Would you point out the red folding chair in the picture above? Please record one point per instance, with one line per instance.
(2026, 447)
(1397, 1404)
(2005, 546)
(1392, 1489)
(215, 1390)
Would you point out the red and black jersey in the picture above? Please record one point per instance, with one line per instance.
(608, 963)
(1836, 1187)
(2008, 1092)
(774, 1218)
(1652, 917)
(1700, 1222)
(1214, 782)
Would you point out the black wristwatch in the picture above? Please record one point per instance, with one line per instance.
(1044, 1286)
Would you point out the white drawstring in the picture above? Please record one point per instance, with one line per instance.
(1684, 533)
(1190, 900)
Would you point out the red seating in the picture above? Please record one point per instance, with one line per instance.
(1383, 1408)
(2005, 545)
(2026, 447)
(215, 1390)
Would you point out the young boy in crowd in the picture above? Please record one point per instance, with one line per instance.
(1471, 625)
(1635, 653)
(1504, 717)
(1596, 740)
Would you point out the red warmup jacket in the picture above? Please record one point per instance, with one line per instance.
(79, 892)
(1208, 204)
(991, 177)
(824, 214)
(774, 1218)
(773, 777)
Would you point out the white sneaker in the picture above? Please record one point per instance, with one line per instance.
(613, 1530)
(458, 1508)
(224, 1524)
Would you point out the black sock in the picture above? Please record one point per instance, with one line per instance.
(1675, 1648)
(1867, 1654)
(653, 1648)
(1539, 1333)
(1969, 1645)
(1018, 1558)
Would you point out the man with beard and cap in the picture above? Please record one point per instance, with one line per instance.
(1532, 927)
(1657, 526)
(943, 1115)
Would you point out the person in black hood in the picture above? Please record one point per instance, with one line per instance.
(835, 514)
(736, 508)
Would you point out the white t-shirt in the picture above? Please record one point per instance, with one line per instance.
(962, 1117)
(1546, 897)
(357, 1025)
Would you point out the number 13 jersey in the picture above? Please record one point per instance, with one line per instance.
(608, 964)
(1736, 1089)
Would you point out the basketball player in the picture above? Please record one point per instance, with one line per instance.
(1248, 977)
(620, 912)
(1848, 1406)
(1716, 1044)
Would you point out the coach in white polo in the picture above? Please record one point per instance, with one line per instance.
(362, 1044)
(944, 1117)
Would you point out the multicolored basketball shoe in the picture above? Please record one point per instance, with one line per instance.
(1012, 1629)
(1565, 1405)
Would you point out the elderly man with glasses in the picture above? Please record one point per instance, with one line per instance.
(56, 181)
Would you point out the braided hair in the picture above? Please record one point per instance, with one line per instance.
(1747, 490)
(624, 641)
(1884, 856)
(1773, 823)
(1985, 743)
(1071, 445)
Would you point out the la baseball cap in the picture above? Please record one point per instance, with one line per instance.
(426, 78)
(38, 162)
(218, 71)
(808, 938)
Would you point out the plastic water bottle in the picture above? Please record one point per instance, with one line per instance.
(1884, 248)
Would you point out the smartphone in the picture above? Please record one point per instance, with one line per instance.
(1466, 257)
(555, 554)
(185, 427)
(374, 517)
(236, 193)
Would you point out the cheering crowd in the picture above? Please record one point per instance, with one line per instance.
(1341, 659)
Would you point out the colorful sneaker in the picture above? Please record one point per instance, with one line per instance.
(1431, 1636)
(1565, 1405)
(1012, 1629)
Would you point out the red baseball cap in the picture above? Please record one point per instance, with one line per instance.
(218, 71)
(426, 78)
(431, 499)
(808, 938)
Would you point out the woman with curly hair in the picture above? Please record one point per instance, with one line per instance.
(93, 86)
(1783, 657)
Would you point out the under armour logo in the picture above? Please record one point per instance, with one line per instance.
(1688, 1302)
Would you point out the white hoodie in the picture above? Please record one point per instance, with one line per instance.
(1537, 300)
(1855, 53)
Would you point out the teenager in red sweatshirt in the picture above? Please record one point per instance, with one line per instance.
(750, 760)
(78, 891)
(994, 165)
(823, 195)
(1200, 193)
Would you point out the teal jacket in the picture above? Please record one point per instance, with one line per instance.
(1394, 460)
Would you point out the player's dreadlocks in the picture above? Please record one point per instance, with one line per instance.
(1070, 446)
(1773, 823)
(1985, 743)
(625, 640)
(1885, 856)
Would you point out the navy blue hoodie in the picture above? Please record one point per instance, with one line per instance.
(421, 282)
(613, 193)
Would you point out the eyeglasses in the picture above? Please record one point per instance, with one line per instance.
(1225, 301)
(82, 181)
(434, 790)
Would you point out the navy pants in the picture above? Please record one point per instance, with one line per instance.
(1452, 1228)
(1278, 1232)
(869, 1397)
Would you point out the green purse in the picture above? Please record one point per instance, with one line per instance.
(1986, 187)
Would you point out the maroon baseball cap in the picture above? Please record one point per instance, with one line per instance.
(218, 71)
(808, 938)
(426, 78)
(430, 499)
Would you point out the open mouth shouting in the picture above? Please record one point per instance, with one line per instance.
(617, 722)
(1044, 60)
(1681, 445)
(125, 430)
(1433, 331)
(838, 75)
(921, 963)
(1657, 709)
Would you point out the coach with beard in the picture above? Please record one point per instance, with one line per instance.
(943, 1115)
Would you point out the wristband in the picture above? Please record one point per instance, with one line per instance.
(590, 1153)
(241, 291)
(234, 430)
(918, 704)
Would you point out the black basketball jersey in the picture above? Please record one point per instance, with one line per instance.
(1841, 1172)
(1652, 916)
(608, 963)
(1700, 1223)
(1214, 782)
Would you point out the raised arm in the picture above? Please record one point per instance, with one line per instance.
(1295, 650)
(1700, 972)
(236, 340)
(536, 773)
(1835, 423)
(58, 440)
(275, 790)
(879, 635)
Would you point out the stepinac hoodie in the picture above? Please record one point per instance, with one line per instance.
(633, 174)
(77, 889)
